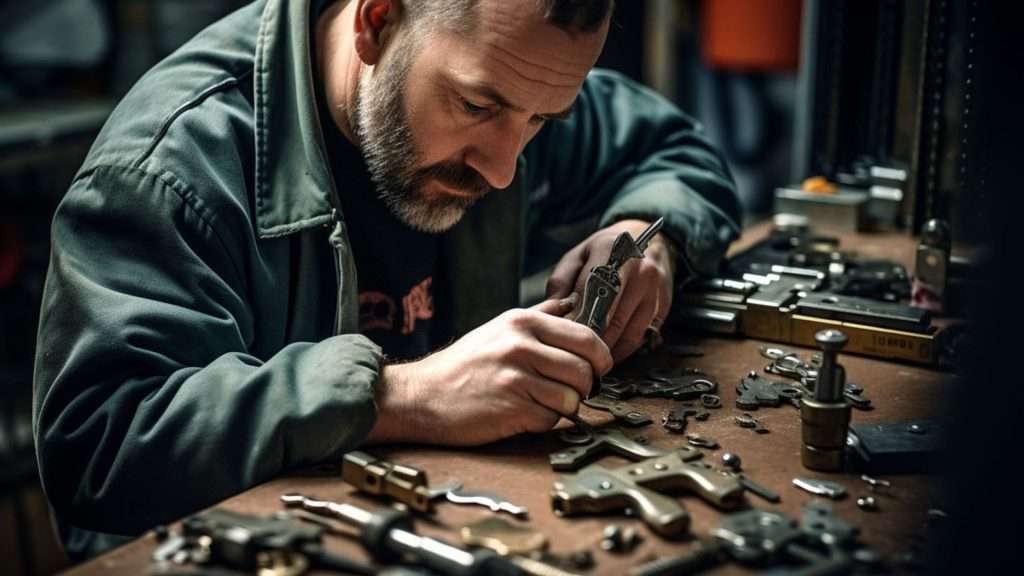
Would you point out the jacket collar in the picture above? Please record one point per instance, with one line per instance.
(294, 187)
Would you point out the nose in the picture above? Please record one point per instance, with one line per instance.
(494, 154)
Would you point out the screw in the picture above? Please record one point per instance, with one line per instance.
(732, 461)
(867, 503)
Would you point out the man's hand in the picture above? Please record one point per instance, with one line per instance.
(520, 372)
(646, 293)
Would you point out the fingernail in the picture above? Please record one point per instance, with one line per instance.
(570, 301)
(571, 402)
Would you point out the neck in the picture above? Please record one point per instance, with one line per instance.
(337, 63)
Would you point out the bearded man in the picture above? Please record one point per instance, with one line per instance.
(305, 231)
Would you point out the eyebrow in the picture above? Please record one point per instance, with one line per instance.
(491, 93)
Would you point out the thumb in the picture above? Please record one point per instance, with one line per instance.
(558, 306)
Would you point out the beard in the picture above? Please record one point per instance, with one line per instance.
(382, 127)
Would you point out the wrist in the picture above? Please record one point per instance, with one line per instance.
(394, 415)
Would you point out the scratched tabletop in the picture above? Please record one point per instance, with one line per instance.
(518, 468)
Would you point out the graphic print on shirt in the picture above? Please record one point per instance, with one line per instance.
(377, 309)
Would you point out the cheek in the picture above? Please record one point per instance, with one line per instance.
(433, 134)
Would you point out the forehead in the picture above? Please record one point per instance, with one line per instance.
(533, 64)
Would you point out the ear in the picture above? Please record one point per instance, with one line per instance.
(374, 24)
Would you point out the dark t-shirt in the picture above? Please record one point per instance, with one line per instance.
(395, 264)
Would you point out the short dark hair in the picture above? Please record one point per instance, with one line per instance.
(572, 16)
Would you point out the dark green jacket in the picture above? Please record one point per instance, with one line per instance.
(198, 331)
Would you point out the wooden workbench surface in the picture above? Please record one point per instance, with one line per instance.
(518, 468)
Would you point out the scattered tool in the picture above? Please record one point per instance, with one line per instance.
(623, 412)
(676, 419)
(602, 440)
(276, 544)
(486, 499)
(503, 536)
(603, 283)
(760, 539)
(388, 535)
(690, 384)
(372, 475)
(701, 441)
(825, 418)
(755, 391)
(596, 490)
(745, 420)
(833, 490)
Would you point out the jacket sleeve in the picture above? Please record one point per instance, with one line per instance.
(626, 152)
(147, 404)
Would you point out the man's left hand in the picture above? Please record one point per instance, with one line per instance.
(646, 292)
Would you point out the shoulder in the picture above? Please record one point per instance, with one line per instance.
(189, 119)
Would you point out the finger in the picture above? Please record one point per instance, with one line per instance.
(577, 339)
(552, 395)
(563, 367)
(624, 304)
(557, 306)
(541, 419)
(632, 336)
(563, 277)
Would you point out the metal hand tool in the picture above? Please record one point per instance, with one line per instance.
(487, 499)
(387, 534)
(603, 283)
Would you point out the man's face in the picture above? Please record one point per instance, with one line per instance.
(442, 119)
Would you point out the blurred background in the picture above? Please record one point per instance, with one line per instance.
(879, 96)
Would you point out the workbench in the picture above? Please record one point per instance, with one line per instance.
(518, 468)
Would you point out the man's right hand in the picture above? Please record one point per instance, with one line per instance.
(520, 372)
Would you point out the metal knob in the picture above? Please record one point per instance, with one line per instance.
(831, 376)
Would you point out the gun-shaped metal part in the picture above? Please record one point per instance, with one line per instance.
(382, 478)
(596, 489)
(602, 441)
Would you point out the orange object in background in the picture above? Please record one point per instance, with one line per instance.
(819, 185)
(751, 35)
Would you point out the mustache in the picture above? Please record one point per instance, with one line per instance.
(454, 175)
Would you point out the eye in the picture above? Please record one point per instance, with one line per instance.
(472, 109)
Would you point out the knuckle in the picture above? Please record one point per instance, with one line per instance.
(508, 378)
(520, 318)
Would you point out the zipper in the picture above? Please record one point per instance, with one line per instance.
(335, 240)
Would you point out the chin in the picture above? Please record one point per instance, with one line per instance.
(429, 218)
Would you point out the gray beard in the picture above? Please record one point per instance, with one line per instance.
(391, 156)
